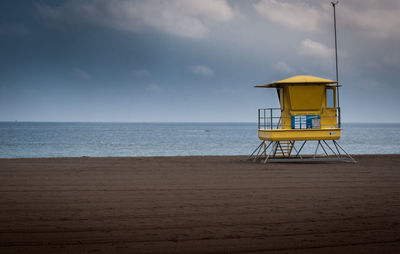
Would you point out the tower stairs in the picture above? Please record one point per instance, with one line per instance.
(283, 148)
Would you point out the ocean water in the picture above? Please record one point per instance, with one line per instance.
(45, 139)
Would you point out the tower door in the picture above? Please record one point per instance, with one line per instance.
(331, 109)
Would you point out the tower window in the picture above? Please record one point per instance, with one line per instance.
(330, 98)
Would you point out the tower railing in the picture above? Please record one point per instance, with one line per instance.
(271, 118)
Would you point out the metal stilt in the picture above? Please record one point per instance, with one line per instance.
(264, 150)
(257, 149)
(301, 148)
(323, 149)
(316, 149)
(331, 149)
(272, 151)
(297, 152)
(336, 147)
(345, 151)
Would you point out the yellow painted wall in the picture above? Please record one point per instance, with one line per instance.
(306, 97)
(307, 100)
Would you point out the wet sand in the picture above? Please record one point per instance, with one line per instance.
(199, 205)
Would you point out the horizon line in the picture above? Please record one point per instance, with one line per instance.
(45, 121)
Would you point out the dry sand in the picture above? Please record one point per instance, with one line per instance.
(199, 205)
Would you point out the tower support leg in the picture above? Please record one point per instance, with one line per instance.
(334, 141)
(256, 151)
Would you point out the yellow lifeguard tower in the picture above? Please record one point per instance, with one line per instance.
(307, 112)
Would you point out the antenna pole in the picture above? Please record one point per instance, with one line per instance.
(337, 70)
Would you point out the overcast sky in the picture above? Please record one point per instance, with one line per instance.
(191, 60)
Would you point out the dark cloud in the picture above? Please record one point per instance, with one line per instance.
(189, 18)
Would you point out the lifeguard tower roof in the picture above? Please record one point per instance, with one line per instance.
(300, 80)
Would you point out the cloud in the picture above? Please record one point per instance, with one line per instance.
(154, 87)
(141, 73)
(297, 15)
(13, 29)
(80, 73)
(202, 70)
(282, 67)
(392, 61)
(369, 84)
(379, 19)
(186, 18)
(312, 48)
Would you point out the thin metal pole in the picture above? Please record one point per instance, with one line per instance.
(345, 152)
(336, 56)
(266, 159)
(330, 148)
(271, 118)
(264, 151)
(324, 149)
(334, 142)
(291, 147)
(316, 149)
(298, 153)
(274, 149)
(264, 118)
(257, 149)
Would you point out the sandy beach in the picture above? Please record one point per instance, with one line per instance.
(199, 205)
